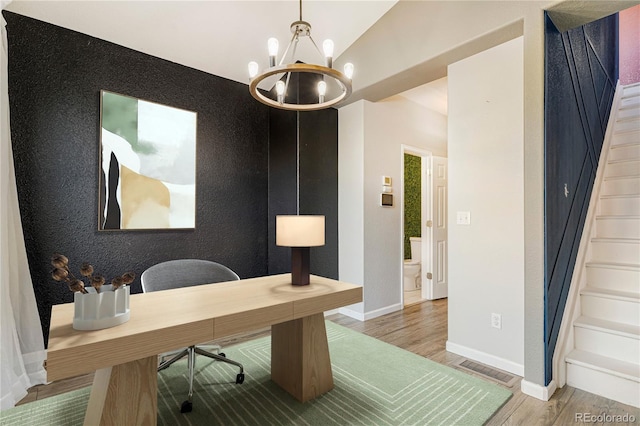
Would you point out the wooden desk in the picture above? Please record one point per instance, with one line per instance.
(125, 357)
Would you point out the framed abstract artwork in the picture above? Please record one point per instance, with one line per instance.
(147, 165)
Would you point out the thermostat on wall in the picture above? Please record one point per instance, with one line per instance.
(386, 200)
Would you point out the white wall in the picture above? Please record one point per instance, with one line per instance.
(413, 44)
(381, 129)
(350, 198)
(486, 178)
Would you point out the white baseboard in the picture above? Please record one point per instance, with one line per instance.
(538, 391)
(360, 316)
(351, 313)
(331, 312)
(485, 358)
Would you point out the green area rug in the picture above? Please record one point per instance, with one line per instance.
(375, 384)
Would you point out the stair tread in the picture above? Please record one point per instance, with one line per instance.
(626, 330)
(611, 294)
(613, 265)
(615, 240)
(605, 364)
(615, 196)
(621, 216)
(622, 177)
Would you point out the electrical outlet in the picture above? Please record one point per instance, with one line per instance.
(496, 321)
(463, 218)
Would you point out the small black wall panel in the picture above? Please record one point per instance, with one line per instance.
(580, 77)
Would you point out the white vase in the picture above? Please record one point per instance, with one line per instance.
(94, 311)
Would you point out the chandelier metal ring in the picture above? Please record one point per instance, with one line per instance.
(343, 81)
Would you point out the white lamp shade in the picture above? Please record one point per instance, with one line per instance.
(300, 231)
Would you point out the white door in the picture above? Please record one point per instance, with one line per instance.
(435, 278)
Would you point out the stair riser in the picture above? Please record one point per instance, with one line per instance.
(629, 101)
(620, 206)
(628, 113)
(620, 138)
(614, 279)
(610, 345)
(623, 311)
(631, 90)
(624, 152)
(630, 186)
(612, 227)
(627, 168)
(615, 252)
(627, 125)
(603, 384)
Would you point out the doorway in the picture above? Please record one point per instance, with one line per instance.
(423, 224)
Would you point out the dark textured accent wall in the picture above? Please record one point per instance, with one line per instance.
(303, 174)
(55, 78)
(412, 200)
(581, 71)
(318, 182)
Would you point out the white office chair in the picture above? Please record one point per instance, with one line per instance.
(185, 273)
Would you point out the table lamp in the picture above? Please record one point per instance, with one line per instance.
(300, 232)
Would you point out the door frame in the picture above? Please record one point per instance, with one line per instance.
(426, 212)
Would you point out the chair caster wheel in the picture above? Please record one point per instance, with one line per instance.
(239, 379)
(222, 354)
(186, 407)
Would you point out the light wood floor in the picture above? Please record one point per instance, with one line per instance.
(422, 329)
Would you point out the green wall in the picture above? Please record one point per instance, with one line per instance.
(412, 192)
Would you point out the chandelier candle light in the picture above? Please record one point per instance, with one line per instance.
(300, 29)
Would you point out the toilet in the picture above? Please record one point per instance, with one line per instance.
(411, 267)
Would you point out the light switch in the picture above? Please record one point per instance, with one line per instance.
(463, 218)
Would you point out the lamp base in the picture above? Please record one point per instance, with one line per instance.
(300, 261)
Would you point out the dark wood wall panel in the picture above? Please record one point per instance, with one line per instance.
(580, 77)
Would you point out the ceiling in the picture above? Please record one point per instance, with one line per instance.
(218, 37)
(432, 95)
(222, 37)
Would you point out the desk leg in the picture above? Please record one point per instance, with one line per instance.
(300, 362)
(125, 394)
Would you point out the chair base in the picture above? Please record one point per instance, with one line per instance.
(191, 352)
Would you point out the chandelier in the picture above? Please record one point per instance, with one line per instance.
(327, 76)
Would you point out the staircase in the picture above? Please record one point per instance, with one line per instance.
(605, 359)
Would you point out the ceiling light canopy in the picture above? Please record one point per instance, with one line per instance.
(327, 75)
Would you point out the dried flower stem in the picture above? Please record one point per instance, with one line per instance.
(61, 272)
